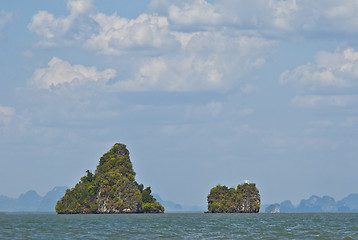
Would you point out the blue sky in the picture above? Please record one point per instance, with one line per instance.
(201, 92)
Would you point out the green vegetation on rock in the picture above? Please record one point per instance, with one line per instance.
(244, 199)
(112, 189)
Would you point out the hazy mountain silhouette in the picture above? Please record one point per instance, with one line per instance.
(349, 202)
(317, 204)
(31, 201)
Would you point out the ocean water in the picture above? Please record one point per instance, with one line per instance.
(180, 226)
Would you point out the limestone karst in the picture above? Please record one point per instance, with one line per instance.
(111, 189)
(244, 199)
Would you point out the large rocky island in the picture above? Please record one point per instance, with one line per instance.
(112, 189)
(244, 199)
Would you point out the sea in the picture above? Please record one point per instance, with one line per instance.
(180, 226)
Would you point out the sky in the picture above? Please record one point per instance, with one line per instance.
(201, 92)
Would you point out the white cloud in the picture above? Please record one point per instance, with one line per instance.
(77, 7)
(114, 34)
(338, 69)
(59, 72)
(117, 35)
(266, 16)
(160, 58)
(63, 30)
(5, 17)
(47, 26)
(198, 12)
(341, 17)
(328, 82)
(277, 17)
(6, 114)
(197, 45)
(208, 61)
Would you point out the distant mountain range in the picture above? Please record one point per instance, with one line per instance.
(32, 202)
(317, 204)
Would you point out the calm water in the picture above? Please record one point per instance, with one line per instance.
(179, 226)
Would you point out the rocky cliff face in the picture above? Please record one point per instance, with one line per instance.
(244, 199)
(112, 189)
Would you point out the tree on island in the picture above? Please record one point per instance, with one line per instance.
(244, 199)
(112, 189)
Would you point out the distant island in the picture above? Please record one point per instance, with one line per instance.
(244, 199)
(317, 204)
(31, 201)
(112, 189)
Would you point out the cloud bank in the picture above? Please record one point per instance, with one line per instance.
(332, 77)
(166, 18)
(166, 58)
(60, 72)
(331, 70)
(68, 30)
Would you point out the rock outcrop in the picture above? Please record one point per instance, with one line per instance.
(112, 189)
(244, 199)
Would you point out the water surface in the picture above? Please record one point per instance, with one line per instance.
(180, 226)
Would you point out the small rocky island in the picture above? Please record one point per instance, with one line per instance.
(244, 199)
(112, 189)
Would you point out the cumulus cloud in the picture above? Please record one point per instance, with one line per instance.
(198, 45)
(265, 16)
(161, 57)
(198, 12)
(114, 34)
(209, 61)
(117, 35)
(59, 72)
(338, 69)
(5, 17)
(254, 14)
(328, 82)
(275, 17)
(63, 30)
(340, 17)
(6, 114)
